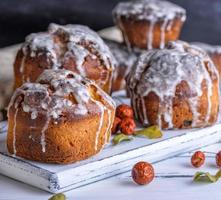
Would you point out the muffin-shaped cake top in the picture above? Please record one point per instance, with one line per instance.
(167, 77)
(149, 10)
(62, 42)
(161, 70)
(58, 99)
(58, 92)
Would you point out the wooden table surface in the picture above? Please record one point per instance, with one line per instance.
(173, 181)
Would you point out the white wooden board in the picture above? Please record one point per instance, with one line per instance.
(111, 161)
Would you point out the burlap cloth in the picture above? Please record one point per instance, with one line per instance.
(7, 56)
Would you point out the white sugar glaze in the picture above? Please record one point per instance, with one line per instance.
(16, 104)
(150, 35)
(48, 97)
(100, 124)
(144, 111)
(160, 71)
(45, 127)
(148, 10)
(102, 110)
(76, 42)
(152, 11)
(14, 131)
(21, 70)
(210, 49)
(108, 129)
(163, 29)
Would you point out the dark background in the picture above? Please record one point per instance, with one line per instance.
(21, 17)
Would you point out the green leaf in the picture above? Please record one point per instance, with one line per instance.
(58, 196)
(120, 138)
(205, 177)
(151, 132)
(218, 174)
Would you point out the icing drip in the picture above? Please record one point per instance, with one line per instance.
(162, 34)
(150, 35)
(145, 120)
(168, 113)
(21, 70)
(108, 127)
(15, 103)
(45, 127)
(101, 108)
(159, 120)
(160, 71)
(14, 131)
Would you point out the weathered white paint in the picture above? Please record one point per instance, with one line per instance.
(173, 181)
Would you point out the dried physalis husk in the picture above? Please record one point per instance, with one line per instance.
(59, 196)
(206, 177)
(152, 132)
(120, 138)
